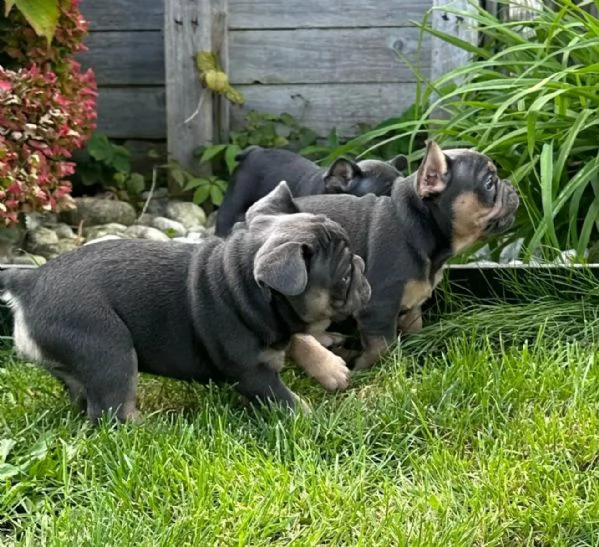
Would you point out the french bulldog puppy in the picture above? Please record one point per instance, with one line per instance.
(261, 169)
(454, 200)
(223, 310)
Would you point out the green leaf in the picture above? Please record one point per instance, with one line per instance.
(154, 154)
(7, 471)
(136, 183)
(120, 161)
(195, 182)
(201, 194)
(230, 153)
(216, 194)
(211, 152)
(8, 4)
(178, 176)
(6, 445)
(100, 148)
(42, 15)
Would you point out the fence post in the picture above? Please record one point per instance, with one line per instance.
(444, 56)
(189, 109)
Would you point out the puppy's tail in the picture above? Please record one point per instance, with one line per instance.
(247, 151)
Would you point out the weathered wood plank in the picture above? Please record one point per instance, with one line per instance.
(139, 113)
(281, 14)
(123, 14)
(322, 107)
(190, 123)
(325, 55)
(125, 57)
(132, 113)
(121, 58)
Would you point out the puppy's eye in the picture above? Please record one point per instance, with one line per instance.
(346, 279)
(490, 183)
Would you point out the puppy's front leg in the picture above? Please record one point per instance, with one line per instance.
(374, 347)
(328, 369)
(263, 383)
(411, 320)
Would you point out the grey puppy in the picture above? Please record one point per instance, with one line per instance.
(261, 169)
(224, 310)
(454, 200)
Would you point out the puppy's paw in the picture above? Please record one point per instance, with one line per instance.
(330, 339)
(333, 374)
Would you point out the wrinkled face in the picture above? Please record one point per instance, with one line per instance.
(337, 286)
(481, 203)
(307, 259)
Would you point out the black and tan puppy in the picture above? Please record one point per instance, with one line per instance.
(261, 169)
(223, 310)
(454, 200)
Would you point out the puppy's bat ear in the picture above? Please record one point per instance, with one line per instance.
(430, 178)
(338, 177)
(282, 267)
(277, 202)
(400, 162)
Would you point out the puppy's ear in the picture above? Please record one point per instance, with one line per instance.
(277, 202)
(430, 179)
(340, 174)
(400, 162)
(282, 267)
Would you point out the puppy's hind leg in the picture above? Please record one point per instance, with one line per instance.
(112, 385)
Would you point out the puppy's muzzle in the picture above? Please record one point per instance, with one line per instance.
(504, 212)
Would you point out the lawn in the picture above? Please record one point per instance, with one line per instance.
(483, 430)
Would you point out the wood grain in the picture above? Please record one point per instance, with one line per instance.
(187, 30)
(290, 14)
(325, 55)
(125, 58)
(322, 107)
(123, 14)
(133, 113)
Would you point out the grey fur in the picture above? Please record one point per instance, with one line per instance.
(407, 238)
(224, 310)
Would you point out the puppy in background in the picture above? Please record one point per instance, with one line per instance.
(224, 310)
(261, 169)
(455, 199)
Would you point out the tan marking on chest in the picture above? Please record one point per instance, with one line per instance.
(318, 306)
(416, 291)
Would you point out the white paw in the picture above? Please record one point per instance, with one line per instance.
(333, 374)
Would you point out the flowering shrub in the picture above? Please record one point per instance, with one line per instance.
(47, 110)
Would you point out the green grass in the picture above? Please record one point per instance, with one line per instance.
(487, 437)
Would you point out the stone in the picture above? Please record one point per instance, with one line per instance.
(107, 237)
(28, 260)
(63, 246)
(171, 227)
(40, 240)
(203, 232)
(146, 232)
(191, 237)
(187, 213)
(35, 219)
(95, 232)
(511, 252)
(146, 219)
(96, 211)
(64, 231)
(211, 220)
(157, 205)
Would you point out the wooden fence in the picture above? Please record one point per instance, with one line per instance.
(330, 63)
